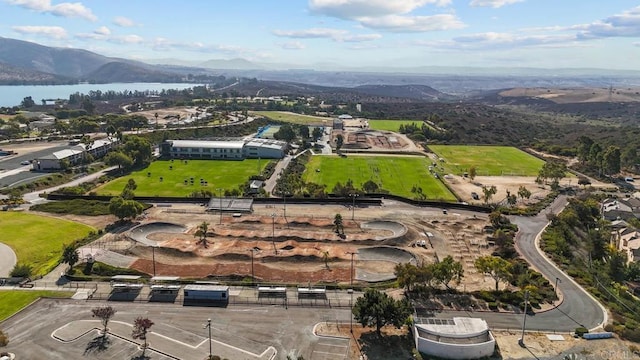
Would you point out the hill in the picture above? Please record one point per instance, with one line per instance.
(12, 75)
(125, 72)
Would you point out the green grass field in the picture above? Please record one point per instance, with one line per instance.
(12, 301)
(225, 174)
(38, 240)
(397, 174)
(488, 160)
(293, 118)
(392, 125)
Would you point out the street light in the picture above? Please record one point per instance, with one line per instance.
(153, 258)
(208, 325)
(351, 273)
(220, 197)
(524, 318)
(284, 200)
(353, 205)
(252, 273)
(273, 232)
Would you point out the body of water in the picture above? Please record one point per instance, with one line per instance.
(12, 95)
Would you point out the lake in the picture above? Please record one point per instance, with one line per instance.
(12, 95)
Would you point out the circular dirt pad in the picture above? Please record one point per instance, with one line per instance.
(140, 233)
(377, 263)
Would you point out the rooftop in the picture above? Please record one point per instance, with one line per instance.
(206, 144)
(456, 327)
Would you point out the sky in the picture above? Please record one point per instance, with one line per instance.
(341, 33)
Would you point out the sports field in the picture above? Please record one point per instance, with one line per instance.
(397, 174)
(38, 240)
(488, 160)
(392, 125)
(294, 118)
(219, 174)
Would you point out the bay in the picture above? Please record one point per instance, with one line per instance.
(12, 95)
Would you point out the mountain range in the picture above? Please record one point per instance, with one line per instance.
(23, 62)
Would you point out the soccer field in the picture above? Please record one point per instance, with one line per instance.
(224, 174)
(294, 118)
(38, 240)
(392, 125)
(397, 174)
(488, 160)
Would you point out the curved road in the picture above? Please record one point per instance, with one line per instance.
(578, 307)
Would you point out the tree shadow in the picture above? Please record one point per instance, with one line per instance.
(386, 347)
(97, 344)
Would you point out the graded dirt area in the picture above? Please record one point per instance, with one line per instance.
(577, 95)
(306, 248)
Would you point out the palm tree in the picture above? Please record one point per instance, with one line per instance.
(70, 256)
(201, 234)
(156, 116)
(337, 222)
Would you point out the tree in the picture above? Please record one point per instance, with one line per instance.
(316, 133)
(21, 271)
(406, 274)
(472, 172)
(370, 186)
(488, 192)
(378, 309)
(285, 133)
(552, 170)
(303, 130)
(201, 234)
(104, 313)
(141, 327)
(511, 198)
(523, 192)
(125, 209)
(339, 142)
(138, 149)
(496, 267)
(325, 258)
(337, 222)
(27, 102)
(611, 160)
(4, 339)
(119, 159)
(448, 270)
(584, 148)
(70, 255)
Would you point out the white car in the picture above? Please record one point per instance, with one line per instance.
(26, 162)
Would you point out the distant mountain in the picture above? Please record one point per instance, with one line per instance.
(231, 64)
(11, 75)
(125, 72)
(419, 92)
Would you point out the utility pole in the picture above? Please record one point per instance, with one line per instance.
(273, 232)
(524, 318)
(153, 258)
(220, 197)
(353, 205)
(209, 326)
(252, 273)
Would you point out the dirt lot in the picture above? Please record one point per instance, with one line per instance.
(31, 146)
(395, 342)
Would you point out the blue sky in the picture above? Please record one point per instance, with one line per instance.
(341, 33)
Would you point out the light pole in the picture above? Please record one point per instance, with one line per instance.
(353, 205)
(209, 326)
(153, 258)
(351, 273)
(220, 197)
(284, 200)
(252, 273)
(273, 232)
(351, 311)
(524, 318)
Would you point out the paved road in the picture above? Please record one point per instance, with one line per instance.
(13, 173)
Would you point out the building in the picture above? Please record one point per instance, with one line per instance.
(252, 148)
(206, 294)
(74, 155)
(457, 338)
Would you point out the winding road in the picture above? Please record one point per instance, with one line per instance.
(578, 307)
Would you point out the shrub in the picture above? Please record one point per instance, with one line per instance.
(609, 328)
(581, 331)
(493, 306)
(21, 270)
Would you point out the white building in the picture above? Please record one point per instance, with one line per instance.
(75, 154)
(224, 149)
(457, 338)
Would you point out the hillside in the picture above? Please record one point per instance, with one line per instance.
(125, 72)
(12, 75)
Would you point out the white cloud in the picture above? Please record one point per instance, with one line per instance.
(326, 33)
(127, 39)
(65, 9)
(352, 9)
(102, 30)
(123, 21)
(55, 32)
(626, 24)
(388, 15)
(396, 23)
(495, 40)
(313, 33)
(493, 3)
(292, 45)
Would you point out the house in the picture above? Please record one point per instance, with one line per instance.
(255, 186)
(55, 161)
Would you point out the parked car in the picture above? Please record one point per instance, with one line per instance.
(26, 162)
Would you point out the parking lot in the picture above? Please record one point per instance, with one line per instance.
(64, 329)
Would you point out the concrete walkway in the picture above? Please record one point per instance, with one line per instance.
(7, 260)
